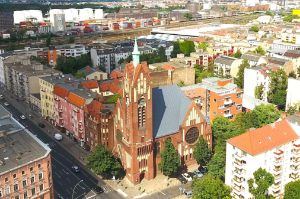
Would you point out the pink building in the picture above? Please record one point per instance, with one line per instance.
(69, 109)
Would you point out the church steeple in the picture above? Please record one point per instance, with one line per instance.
(135, 54)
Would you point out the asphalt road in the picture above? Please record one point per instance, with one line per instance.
(67, 184)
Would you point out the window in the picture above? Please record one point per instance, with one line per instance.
(6, 179)
(32, 179)
(15, 175)
(1, 193)
(25, 194)
(31, 168)
(41, 187)
(7, 190)
(40, 176)
(33, 191)
(24, 182)
(16, 187)
(141, 113)
(17, 197)
(23, 172)
(39, 165)
(192, 135)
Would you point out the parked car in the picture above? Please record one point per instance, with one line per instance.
(75, 168)
(198, 174)
(41, 125)
(23, 117)
(187, 177)
(188, 194)
(6, 104)
(191, 174)
(182, 179)
(58, 136)
(98, 190)
(203, 169)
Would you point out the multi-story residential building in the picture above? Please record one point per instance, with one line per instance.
(294, 56)
(92, 73)
(281, 46)
(216, 97)
(46, 92)
(25, 162)
(98, 124)
(69, 105)
(6, 20)
(274, 147)
(227, 66)
(59, 23)
(254, 59)
(22, 78)
(145, 117)
(199, 58)
(293, 94)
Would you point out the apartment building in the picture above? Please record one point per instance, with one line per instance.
(25, 169)
(274, 147)
(216, 97)
(254, 59)
(199, 58)
(227, 66)
(22, 78)
(293, 94)
(282, 46)
(92, 73)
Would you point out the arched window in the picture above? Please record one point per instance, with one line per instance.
(141, 113)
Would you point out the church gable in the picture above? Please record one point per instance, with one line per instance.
(193, 116)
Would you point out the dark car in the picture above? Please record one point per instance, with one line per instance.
(98, 190)
(182, 179)
(41, 125)
(191, 174)
(75, 168)
(203, 169)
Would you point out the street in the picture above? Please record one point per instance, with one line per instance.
(67, 183)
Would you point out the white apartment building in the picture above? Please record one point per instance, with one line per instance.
(281, 46)
(74, 50)
(254, 59)
(228, 65)
(274, 147)
(293, 94)
(254, 77)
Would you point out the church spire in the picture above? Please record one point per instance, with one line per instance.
(135, 54)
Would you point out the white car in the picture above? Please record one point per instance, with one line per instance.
(58, 136)
(23, 117)
(1, 96)
(6, 104)
(187, 177)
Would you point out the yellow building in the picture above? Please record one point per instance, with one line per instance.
(296, 12)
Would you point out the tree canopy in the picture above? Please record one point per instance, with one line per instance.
(73, 64)
(278, 88)
(183, 46)
(151, 58)
(209, 187)
(170, 160)
(188, 16)
(292, 190)
(103, 162)
(254, 28)
(202, 152)
(264, 114)
(259, 50)
(239, 80)
(258, 186)
(203, 46)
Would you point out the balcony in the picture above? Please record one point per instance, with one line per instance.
(239, 173)
(238, 188)
(294, 168)
(277, 170)
(228, 103)
(239, 164)
(294, 175)
(228, 115)
(238, 180)
(295, 152)
(239, 157)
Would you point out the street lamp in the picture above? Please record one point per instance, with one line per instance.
(75, 188)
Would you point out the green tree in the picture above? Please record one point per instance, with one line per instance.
(73, 64)
(259, 91)
(292, 75)
(186, 47)
(181, 84)
(260, 50)
(270, 13)
(71, 40)
(176, 49)
(290, 18)
(209, 187)
(258, 186)
(103, 162)
(203, 46)
(239, 80)
(48, 41)
(113, 99)
(170, 160)
(216, 166)
(202, 152)
(188, 16)
(264, 114)
(237, 54)
(292, 190)
(278, 88)
(254, 28)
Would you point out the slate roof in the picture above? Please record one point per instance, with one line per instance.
(170, 106)
(292, 53)
(225, 60)
(251, 57)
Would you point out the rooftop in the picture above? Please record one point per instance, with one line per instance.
(225, 60)
(219, 85)
(166, 66)
(255, 142)
(18, 146)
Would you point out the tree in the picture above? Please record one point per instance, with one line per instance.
(209, 187)
(254, 29)
(103, 162)
(73, 64)
(188, 16)
(258, 186)
(260, 50)
(181, 84)
(244, 121)
(216, 166)
(186, 47)
(113, 99)
(270, 13)
(202, 152)
(239, 80)
(176, 49)
(264, 114)
(48, 41)
(259, 92)
(278, 88)
(292, 190)
(203, 46)
(71, 40)
(237, 54)
(290, 18)
(292, 75)
(170, 160)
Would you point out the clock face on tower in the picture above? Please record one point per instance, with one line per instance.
(192, 135)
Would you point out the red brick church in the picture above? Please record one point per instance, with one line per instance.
(145, 117)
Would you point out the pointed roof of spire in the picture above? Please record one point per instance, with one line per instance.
(135, 49)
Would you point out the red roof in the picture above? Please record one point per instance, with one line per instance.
(116, 74)
(60, 91)
(76, 100)
(94, 107)
(89, 84)
(168, 67)
(112, 86)
(264, 139)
